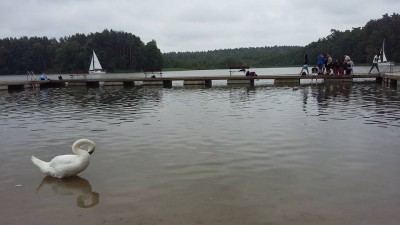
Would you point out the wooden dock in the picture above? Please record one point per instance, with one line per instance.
(196, 80)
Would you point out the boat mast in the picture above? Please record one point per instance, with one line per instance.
(382, 56)
(93, 61)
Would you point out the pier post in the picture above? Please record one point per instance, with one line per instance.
(151, 82)
(52, 84)
(69, 83)
(379, 80)
(240, 82)
(167, 83)
(161, 83)
(129, 83)
(114, 83)
(291, 81)
(204, 82)
(16, 87)
(344, 79)
(92, 84)
(393, 83)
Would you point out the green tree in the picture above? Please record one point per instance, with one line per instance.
(152, 57)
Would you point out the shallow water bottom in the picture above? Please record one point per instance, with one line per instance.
(265, 155)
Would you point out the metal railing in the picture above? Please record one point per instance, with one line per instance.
(30, 75)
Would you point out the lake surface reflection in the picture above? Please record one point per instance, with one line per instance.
(314, 154)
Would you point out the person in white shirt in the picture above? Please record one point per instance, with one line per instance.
(375, 63)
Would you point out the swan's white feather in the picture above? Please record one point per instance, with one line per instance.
(67, 165)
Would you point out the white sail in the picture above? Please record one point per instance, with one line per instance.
(95, 66)
(384, 64)
(382, 52)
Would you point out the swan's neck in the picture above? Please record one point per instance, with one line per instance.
(76, 147)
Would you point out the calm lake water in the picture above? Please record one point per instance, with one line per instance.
(313, 154)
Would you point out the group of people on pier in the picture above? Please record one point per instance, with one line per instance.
(325, 65)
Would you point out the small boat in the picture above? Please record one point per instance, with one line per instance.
(382, 58)
(384, 64)
(95, 66)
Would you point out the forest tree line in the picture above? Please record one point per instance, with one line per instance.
(361, 43)
(119, 51)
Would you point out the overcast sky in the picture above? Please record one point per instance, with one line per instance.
(193, 25)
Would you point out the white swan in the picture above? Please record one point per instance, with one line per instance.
(67, 165)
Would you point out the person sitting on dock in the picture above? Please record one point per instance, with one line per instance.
(305, 65)
(305, 68)
(335, 67)
(341, 67)
(43, 76)
(250, 74)
(314, 71)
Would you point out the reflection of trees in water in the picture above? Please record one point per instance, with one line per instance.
(43, 95)
(26, 97)
(380, 103)
(72, 186)
(80, 103)
(374, 102)
(241, 94)
(305, 98)
(326, 93)
(116, 103)
(379, 94)
(332, 92)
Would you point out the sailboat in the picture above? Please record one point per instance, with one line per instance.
(384, 64)
(95, 66)
(382, 58)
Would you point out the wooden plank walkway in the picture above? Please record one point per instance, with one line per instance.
(192, 80)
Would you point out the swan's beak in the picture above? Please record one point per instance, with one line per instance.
(91, 149)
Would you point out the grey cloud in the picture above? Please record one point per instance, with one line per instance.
(179, 25)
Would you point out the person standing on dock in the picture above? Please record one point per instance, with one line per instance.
(328, 65)
(305, 65)
(320, 63)
(375, 63)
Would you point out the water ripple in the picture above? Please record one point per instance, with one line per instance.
(234, 149)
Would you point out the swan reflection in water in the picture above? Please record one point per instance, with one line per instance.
(75, 186)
